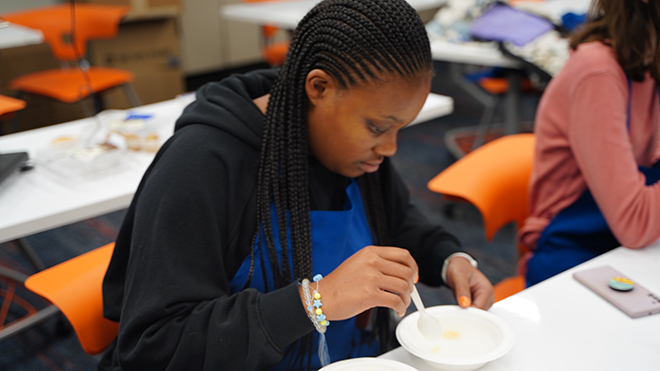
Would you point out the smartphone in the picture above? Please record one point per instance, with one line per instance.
(637, 302)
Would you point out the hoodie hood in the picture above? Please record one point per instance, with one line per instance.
(228, 105)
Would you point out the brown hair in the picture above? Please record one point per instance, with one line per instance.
(627, 26)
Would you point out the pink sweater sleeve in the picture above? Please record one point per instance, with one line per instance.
(603, 151)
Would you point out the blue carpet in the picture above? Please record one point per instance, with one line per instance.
(421, 155)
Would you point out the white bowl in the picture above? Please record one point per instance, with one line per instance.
(470, 338)
(367, 364)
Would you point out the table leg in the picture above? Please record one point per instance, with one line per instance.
(512, 103)
(31, 254)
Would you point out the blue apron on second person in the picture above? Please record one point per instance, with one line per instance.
(336, 235)
(577, 233)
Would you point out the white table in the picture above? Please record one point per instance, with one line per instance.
(560, 324)
(37, 200)
(287, 14)
(13, 35)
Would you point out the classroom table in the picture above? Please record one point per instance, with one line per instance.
(38, 200)
(559, 324)
(287, 14)
(13, 35)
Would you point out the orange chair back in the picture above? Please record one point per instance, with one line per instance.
(494, 178)
(93, 21)
(75, 288)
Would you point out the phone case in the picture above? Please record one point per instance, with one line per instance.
(637, 302)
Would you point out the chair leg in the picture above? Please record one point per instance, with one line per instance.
(485, 123)
(29, 320)
(131, 95)
(27, 249)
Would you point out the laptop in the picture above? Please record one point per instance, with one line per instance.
(10, 163)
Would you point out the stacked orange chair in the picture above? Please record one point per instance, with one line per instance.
(68, 42)
(274, 53)
(495, 179)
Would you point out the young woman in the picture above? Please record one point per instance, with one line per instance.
(200, 278)
(594, 183)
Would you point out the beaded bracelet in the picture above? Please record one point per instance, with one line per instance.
(314, 310)
(315, 314)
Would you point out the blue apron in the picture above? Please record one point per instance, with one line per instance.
(336, 235)
(577, 233)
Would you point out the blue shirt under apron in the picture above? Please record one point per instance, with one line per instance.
(577, 233)
(336, 235)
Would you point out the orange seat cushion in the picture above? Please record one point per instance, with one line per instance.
(70, 85)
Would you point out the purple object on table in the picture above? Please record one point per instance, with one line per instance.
(503, 23)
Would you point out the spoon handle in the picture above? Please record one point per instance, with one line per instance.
(417, 300)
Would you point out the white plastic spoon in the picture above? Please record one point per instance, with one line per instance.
(428, 325)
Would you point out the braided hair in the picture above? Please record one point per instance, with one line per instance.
(356, 42)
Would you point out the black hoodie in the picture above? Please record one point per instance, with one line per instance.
(189, 228)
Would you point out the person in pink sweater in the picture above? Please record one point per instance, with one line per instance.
(594, 184)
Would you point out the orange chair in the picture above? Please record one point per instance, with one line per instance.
(68, 42)
(495, 179)
(274, 53)
(74, 288)
(8, 106)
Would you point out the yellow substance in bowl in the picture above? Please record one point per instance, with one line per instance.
(451, 335)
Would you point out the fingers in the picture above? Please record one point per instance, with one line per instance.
(373, 277)
(471, 286)
(462, 292)
(396, 272)
(482, 291)
(483, 299)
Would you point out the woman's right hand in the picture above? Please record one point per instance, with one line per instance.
(375, 276)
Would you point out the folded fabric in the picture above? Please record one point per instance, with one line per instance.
(504, 23)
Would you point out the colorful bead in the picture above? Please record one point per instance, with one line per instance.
(317, 296)
(319, 311)
(317, 278)
(317, 303)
